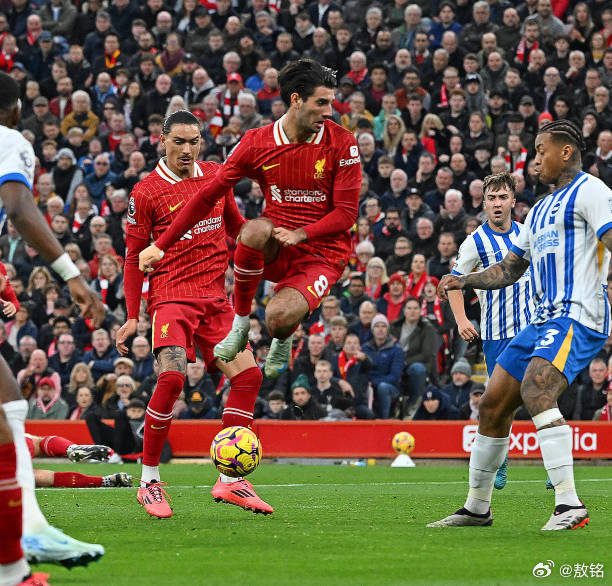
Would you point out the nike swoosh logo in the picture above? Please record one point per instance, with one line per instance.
(172, 208)
(311, 291)
(155, 427)
(266, 167)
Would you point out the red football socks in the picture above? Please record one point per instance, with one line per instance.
(10, 506)
(159, 415)
(54, 446)
(248, 269)
(241, 400)
(75, 480)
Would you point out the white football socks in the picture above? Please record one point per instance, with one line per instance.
(15, 573)
(149, 473)
(487, 456)
(227, 479)
(556, 448)
(33, 519)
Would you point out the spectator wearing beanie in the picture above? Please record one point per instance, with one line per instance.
(388, 362)
(303, 406)
(435, 407)
(391, 303)
(458, 390)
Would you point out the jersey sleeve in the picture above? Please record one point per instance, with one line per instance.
(17, 161)
(594, 204)
(239, 162)
(521, 245)
(232, 218)
(467, 259)
(140, 214)
(347, 184)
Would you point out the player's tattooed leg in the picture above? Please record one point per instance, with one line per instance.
(172, 358)
(541, 388)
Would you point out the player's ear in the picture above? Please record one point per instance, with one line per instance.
(295, 99)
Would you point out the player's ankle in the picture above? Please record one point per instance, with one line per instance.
(241, 322)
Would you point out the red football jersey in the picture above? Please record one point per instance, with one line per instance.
(195, 266)
(302, 183)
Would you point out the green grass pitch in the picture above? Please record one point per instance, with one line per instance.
(333, 525)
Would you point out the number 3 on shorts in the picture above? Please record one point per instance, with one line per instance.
(320, 286)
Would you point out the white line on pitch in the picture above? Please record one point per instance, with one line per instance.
(433, 482)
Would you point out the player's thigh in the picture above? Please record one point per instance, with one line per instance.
(6, 437)
(257, 234)
(33, 443)
(501, 398)
(172, 329)
(9, 390)
(542, 385)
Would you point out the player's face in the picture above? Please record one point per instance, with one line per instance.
(182, 148)
(498, 204)
(550, 158)
(312, 113)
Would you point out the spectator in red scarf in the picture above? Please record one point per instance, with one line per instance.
(418, 277)
(605, 413)
(9, 53)
(391, 303)
(330, 308)
(353, 366)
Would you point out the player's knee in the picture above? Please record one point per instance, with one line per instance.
(256, 233)
(490, 411)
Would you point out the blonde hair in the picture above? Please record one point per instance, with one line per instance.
(38, 271)
(430, 120)
(73, 386)
(390, 143)
(113, 260)
(384, 276)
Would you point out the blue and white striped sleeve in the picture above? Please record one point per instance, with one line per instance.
(521, 245)
(594, 204)
(467, 259)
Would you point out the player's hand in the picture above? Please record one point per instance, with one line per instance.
(288, 237)
(467, 330)
(90, 304)
(449, 282)
(9, 308)
(127, 330)
(148, 257)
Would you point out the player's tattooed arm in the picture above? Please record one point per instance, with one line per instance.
(497, 276)
(172, 358)
(606, 239)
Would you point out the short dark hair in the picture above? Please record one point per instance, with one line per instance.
(498, 180)
(62, 319)
(276, 396)
(565, 131)
(303, 77)
(9, 92)
(179, 117)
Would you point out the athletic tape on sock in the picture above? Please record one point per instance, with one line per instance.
(547, 417)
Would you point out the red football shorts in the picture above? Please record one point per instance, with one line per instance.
(311, 275)
(192, 322)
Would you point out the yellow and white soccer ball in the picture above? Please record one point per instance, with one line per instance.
(403, 442)
(236, 451)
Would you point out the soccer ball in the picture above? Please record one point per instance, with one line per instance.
(235, 451)
(403, 442)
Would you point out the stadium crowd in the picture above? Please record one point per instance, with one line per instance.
(438, 94)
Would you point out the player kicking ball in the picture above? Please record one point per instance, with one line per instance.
(57, 447)
(567, 238)
(310, 172)
(25, 533)
(187, 303)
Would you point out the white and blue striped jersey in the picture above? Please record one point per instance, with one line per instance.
(569, 264)
(503, 312)
(16, 161)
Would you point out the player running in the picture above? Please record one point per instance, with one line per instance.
(567, 238)
(55, 446)
(309, 170)
(187, 303)
(19, 511)
(503, 312)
